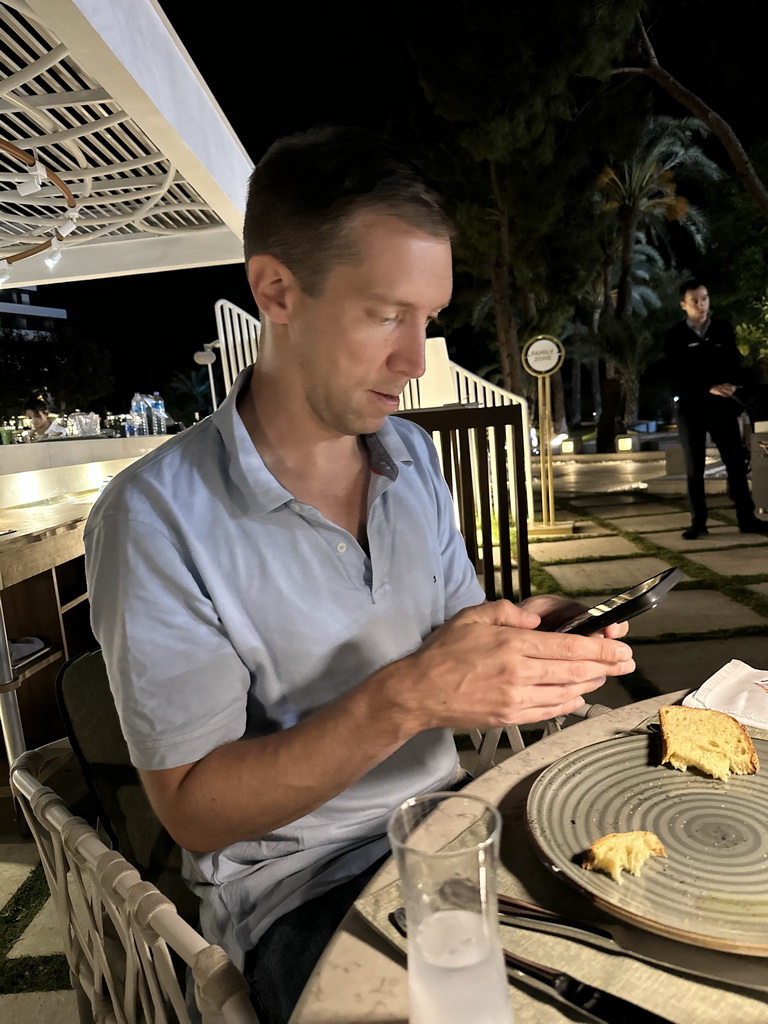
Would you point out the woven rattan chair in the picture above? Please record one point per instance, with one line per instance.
(125, 943)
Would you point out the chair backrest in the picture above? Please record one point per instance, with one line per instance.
(482, 457)
(119, 931)
(93, 728)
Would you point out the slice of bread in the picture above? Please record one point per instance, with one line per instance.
(622, 850)
(711, 741)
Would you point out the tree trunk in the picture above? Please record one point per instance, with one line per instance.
(609, 414)
(631, 393)
(745, 172)
(506, 330)
(499, 272)
(559, 424)
(575, 391)
(594, 381)
(628, 225)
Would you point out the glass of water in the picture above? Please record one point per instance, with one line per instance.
(446, 846)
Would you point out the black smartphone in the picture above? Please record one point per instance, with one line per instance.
(624, 606)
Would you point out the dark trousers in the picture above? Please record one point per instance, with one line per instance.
(279, 966)
(693, 427)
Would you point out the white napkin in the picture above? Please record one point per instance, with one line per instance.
(737, 689)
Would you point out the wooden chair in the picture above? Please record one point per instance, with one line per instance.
(482, 457)
(124, 812)
(119, 931)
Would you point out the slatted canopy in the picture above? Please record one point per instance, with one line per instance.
(114, 156)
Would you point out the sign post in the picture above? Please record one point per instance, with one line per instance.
(542, 356)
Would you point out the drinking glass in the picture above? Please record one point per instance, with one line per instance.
(446, 846)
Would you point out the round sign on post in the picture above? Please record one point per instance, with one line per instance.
(543, 355)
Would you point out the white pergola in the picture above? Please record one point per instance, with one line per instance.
(114, 156)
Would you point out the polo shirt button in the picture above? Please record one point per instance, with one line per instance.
(296, 506)
(341, 547)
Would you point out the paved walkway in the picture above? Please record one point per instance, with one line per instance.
(624, 533)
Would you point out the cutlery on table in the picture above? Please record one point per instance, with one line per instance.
(596, 1002)
(615, 937)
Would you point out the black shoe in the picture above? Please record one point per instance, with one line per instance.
(754, 525)
(693, 532)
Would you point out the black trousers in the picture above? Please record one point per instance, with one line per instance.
(723, 428)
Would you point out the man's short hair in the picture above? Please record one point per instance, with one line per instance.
(307, 187)
(691, 285)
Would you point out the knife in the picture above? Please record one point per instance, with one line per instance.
(597, 1003)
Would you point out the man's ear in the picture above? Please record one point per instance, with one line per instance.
(273, 287)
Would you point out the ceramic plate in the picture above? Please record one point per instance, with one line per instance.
(712, 888)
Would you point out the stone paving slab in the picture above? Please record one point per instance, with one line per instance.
(651, 523)
(606, 499)
(618, 513)
(566, 550)
(42, 936)
(690, 611)
(40, 1007)
(720, 536)
(670, 486)
(586, 528)
(736, 562)
(16, 862)
(612, 575)
(674, 666)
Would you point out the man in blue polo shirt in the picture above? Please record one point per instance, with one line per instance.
(290, 622)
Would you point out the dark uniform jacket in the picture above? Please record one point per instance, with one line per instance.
(697, 363)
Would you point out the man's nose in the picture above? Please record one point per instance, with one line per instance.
(409, 357)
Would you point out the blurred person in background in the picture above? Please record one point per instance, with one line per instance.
(43, 427)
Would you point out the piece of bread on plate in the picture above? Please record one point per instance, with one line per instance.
(711, 741)
(625, 851)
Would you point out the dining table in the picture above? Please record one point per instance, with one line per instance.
(688, 959)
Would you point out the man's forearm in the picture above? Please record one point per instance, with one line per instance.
(251, 787)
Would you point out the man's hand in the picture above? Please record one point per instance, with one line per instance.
(723, 390)
(490, 666)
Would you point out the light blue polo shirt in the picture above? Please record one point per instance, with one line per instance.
(227, 609)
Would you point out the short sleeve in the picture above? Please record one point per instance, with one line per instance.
(179, 686)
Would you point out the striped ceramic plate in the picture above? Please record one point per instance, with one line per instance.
(712, 888)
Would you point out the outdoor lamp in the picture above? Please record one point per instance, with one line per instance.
(626, 443)
(53, 259)
(208, 358)
(32, 182)
(571, 446)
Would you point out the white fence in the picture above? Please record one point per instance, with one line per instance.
(238, 339)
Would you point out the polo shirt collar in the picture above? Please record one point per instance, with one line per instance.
(248, 473)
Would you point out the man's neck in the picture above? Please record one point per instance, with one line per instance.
(294, 450)
(699, 326)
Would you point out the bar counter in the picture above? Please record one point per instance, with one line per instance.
(47, 490)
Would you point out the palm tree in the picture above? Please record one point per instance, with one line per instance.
(643, 191)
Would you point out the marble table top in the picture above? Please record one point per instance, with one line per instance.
(361, 977)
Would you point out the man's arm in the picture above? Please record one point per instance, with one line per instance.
(487, 667)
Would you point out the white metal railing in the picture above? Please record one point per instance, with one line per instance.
(238, 339)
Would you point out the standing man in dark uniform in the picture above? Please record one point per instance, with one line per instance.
(705, 370)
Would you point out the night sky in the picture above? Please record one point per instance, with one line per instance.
(280, 74)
